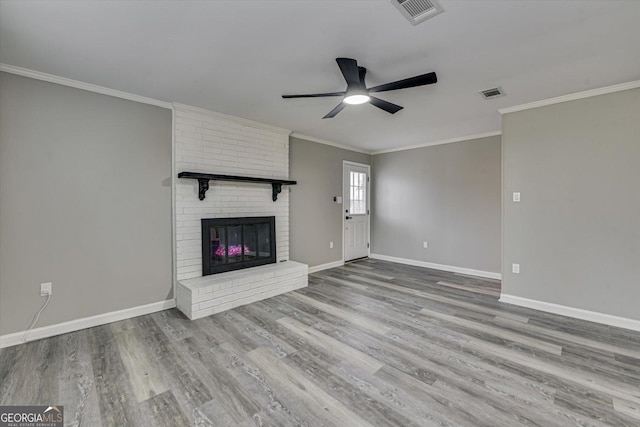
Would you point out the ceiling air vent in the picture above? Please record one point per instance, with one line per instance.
(492, 93)
(417, 11)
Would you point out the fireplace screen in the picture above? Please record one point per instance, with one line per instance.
(235, 243)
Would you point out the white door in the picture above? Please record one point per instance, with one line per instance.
(356, 210)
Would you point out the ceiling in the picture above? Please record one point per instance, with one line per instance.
(238, 57)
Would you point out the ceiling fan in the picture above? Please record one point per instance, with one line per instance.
(358, 93)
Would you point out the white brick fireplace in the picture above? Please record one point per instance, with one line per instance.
(219, 144)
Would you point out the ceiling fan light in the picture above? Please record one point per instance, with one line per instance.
(356, 99)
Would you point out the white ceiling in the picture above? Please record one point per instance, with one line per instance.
(238, 57)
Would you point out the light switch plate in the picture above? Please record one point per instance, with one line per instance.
(515, 268)
(516, 196)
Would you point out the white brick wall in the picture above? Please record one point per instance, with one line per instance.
(204, 296)
(214, 143)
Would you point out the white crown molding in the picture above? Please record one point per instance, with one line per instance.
(86, 322)
(440, 142)
(572, 97)
(325, 142)
(326, 266)
(239, 120)
(450, 268)
(577, 313)
(25, 72)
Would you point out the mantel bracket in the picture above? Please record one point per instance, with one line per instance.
(277, 189)
(203, 186)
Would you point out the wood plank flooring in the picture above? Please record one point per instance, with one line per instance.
(372, 343)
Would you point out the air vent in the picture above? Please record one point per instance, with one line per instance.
(492, 93)
(417, 11)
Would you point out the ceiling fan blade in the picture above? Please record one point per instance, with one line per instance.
(385, 105)
(314, 95)
(335, 111)
(423, 79)
(349, 68)
(362, 72)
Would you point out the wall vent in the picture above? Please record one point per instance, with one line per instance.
(417, 11)
(492, 93)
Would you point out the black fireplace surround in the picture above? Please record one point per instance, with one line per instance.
(235, 243)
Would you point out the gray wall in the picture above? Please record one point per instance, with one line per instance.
(576, 232)
(85, 202)
(447, 195)
(315, 219)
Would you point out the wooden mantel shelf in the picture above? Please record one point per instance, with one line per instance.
(204, 178)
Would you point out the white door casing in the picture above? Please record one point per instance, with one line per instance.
(355, 179)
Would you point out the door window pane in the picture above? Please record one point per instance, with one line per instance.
(357, 193)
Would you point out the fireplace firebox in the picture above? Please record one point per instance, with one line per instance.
(235, 243)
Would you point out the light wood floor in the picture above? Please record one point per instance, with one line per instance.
(368, 344)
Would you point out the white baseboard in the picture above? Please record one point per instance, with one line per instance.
(86, 322)
(578, 313)
(450, 268)
(326, 266)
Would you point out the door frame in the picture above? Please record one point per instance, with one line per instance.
(345, 198)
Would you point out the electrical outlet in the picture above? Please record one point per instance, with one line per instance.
(46, 289)
(515, 268)
(330, 245)
(425, 245)
(516, 197)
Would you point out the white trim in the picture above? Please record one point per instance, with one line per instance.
(239, 120)
(25, 72)
(440, 142)
(86, 322)
(349, 162)
(325, 142)
(578, 313)
(503, 256)
(450, 268)
(174, 177)
(572, 97)
(326, 266)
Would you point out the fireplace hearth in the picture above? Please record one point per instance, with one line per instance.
(236, 243)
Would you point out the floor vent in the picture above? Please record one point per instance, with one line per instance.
(417, 11)
(492, 93)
